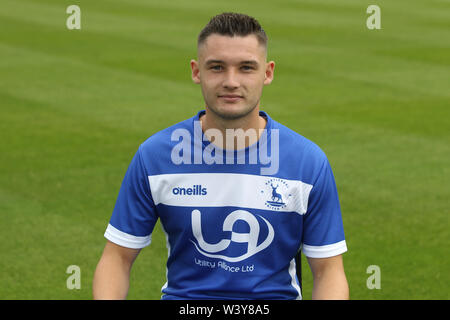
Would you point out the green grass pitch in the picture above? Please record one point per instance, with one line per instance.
(76, 104)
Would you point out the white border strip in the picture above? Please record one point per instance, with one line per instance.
(326, 251)
(293, 273)
(126, 240)
(230, 189)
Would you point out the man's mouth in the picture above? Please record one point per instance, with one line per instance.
(230, 97)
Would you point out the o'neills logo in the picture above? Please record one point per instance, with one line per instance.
(195, 190)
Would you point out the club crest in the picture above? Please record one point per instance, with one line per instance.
(276, 192)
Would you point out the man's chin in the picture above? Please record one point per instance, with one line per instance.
(231, 112)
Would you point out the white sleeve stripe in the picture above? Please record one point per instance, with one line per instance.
(326, 251)
(126, 240)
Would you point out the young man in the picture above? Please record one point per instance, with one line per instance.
(238, 194)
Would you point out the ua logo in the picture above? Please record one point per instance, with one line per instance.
(251, 238)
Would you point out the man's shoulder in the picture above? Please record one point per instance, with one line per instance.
(297, 145)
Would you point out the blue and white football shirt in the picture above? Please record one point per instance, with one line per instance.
(233, 231)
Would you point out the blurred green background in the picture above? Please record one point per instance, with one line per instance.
(76, 104)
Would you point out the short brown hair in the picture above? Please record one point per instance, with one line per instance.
(233, 24)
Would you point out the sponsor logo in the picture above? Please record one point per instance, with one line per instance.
(195, 190)
(251, 238)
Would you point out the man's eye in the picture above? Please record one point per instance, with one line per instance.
(247, 68)
(216, 68)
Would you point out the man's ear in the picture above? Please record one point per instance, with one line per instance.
(268, 77)
(195, 71)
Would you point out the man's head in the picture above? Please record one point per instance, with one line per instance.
(233, 24)
(231, 66)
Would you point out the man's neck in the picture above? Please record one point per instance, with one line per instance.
(251, 127)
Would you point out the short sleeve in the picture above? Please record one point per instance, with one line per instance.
(323, 230)
(134, 215)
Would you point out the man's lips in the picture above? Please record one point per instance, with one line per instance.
(230, 97)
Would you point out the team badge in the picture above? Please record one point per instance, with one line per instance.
(276, 193)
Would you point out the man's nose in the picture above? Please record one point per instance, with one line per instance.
(231, 80)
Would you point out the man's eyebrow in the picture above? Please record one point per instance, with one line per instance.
(252, 62)
(212, 61)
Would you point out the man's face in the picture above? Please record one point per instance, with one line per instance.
(232, 72)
